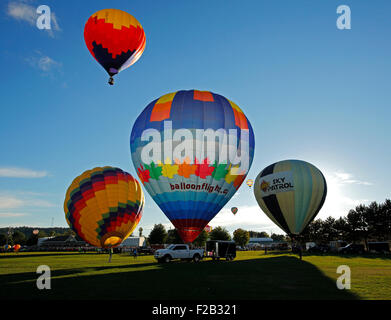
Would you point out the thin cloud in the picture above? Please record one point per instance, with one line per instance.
(7, 202)
(21, 11)
(21, 173)
(347, 178)
(12, 214)
(12, 202)
(47, 65)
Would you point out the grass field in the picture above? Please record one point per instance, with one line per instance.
(252, 275)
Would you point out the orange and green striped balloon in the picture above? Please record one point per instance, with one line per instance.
(103, 206)
(115, 39)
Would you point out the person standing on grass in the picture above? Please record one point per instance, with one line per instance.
(135, 253)
(110, 253)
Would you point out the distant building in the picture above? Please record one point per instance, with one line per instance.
(41, 240)
(133, 242)
(62, 241)
(265, 242)
(260, 240)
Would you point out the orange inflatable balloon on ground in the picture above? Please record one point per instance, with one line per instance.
(103, 206)
(115, 39)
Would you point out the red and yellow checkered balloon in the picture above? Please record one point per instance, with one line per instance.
(115, 39)
(103, 206)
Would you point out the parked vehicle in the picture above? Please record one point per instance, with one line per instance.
(319, 249)
(146, 250)
(337, 244)
(379, 247)
(352, 249)
(178, 251)
(217, 249)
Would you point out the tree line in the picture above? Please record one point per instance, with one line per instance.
(25, 236)
(364, 223)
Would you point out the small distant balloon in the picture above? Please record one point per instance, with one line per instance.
(234, 210)
(208, 228)
(250, 182)
(36, 231)
(16, 247)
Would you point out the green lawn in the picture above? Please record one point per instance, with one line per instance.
(252, 275)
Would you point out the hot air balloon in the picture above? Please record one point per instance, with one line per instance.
(234, 210)
(115, 39)
(291, 193)
(250, 182)
(185, 149)
(16, 247)
(103, 206)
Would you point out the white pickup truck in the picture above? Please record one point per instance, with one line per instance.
(178, 251)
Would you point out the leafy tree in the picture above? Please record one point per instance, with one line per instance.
(328, 231)
(341, 228)
(32, 240)
(358, 226)
(158, 234)
(42, 234)
(219, 233)
(385, 219)
(18, 237)
(173, 236)
(241, 237)
(263, 234)
(3, 239)
(277, 237)
(256, 234)
(378, 220)
(201, 239)
(313, 232)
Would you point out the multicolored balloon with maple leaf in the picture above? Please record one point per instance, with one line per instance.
(192, 151)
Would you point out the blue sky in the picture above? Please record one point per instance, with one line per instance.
(311, 91)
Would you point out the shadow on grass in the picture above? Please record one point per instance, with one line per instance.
(331, 254)
(355, 256)
(280, 278)
(31, 255)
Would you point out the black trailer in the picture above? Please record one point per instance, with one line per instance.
(219, 249)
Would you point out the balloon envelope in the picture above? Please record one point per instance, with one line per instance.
(291, 193)
(234, 210)
(104, 205)
(115, 39)
(184, 147)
